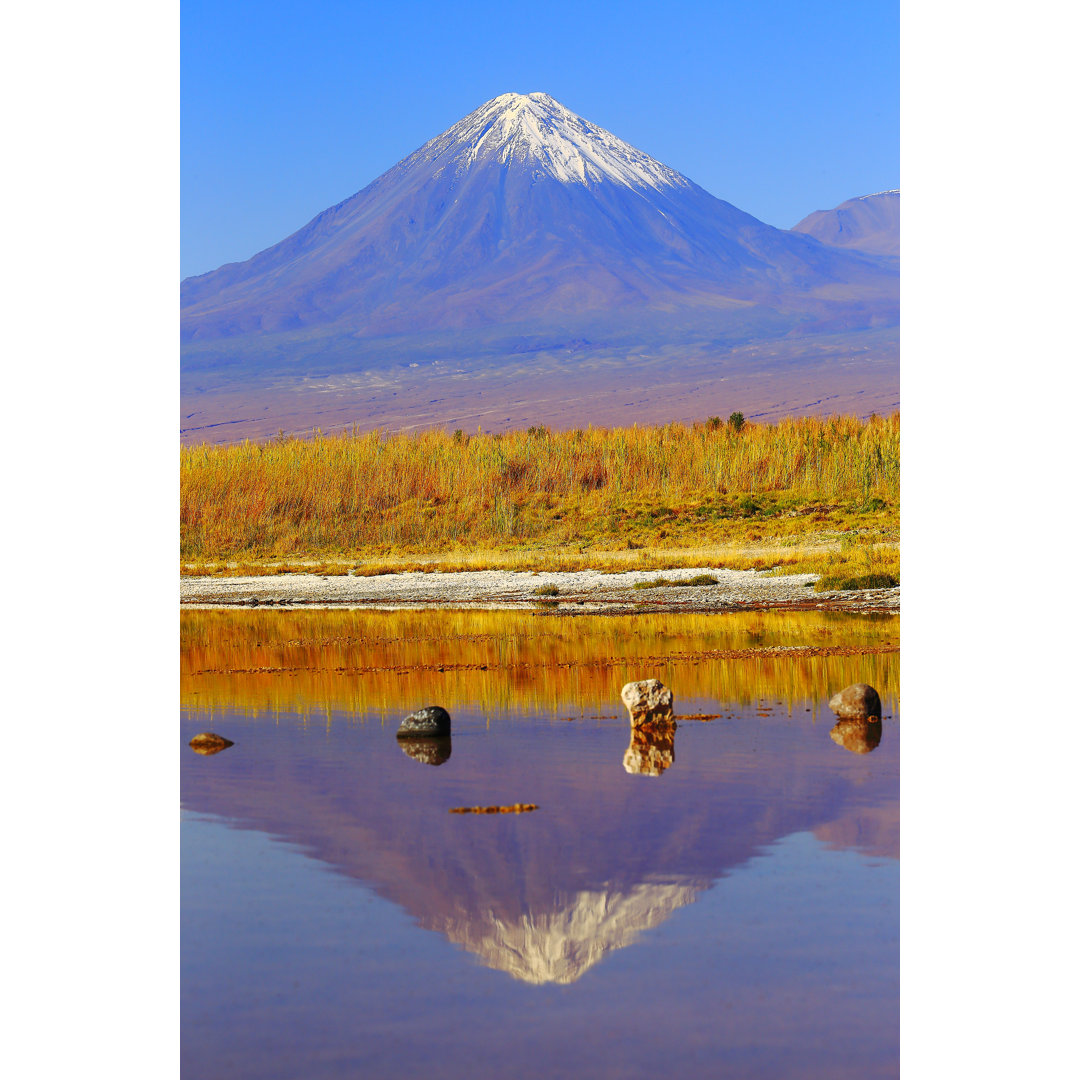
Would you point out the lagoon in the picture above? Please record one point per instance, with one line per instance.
(721, 903)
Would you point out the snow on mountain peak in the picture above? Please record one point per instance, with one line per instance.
(536, 130)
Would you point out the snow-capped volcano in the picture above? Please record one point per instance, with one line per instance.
(536, 132)
(522, 229)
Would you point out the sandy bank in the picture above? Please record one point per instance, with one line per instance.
(579, 591)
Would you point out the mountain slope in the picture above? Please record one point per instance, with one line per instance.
(521, 238)
(869, 223)
(520, 210)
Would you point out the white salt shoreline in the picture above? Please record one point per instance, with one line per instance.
(579, 591)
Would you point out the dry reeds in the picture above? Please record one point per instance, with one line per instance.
(375, 494)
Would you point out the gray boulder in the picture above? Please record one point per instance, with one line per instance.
(856, 702)
(424, 723)
(648, 700)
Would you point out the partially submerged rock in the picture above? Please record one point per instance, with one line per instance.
(431, 720)
(431, 751)
(856, 702)
(207, 742)
(859, 736)
(651, 749)
(648, 700)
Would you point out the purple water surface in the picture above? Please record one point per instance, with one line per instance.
(735, 915)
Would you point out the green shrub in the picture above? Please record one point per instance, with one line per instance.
(837, 583)
(660, 582)
(656, 583)
(736, 421)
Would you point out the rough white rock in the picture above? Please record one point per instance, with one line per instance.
(856, 702)
(648, 700)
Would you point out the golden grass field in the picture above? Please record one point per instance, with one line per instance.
(806, 494)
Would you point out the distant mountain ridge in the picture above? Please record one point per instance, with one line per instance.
(523, 231)
(869, 223)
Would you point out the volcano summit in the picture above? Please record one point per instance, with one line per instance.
(527, 266)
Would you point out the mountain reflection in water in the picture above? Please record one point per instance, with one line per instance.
(543, 896)
(733, 905)
(560, 945)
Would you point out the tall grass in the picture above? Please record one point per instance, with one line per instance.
(370, 493)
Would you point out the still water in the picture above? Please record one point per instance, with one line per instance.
(720, 902)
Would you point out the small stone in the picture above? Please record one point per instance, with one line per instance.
(856, 702)
(206, 742)
(424, 723)
(648, 700)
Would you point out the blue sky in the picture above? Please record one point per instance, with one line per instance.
(286, 108)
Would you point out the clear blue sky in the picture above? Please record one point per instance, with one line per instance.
(778, 106)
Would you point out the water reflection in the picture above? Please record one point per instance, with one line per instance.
(671, 919)
(382, 662)
(560, 943)
(542, 896)
(651, 749)
(208, 743)
(431, 751)
(858, 736)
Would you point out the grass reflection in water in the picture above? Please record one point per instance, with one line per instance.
(381, 662)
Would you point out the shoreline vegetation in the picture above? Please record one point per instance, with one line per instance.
(808, 495)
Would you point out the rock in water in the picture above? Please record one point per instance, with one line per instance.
(856, 702)
(424, 723)
(206, 742)
(648, 700)
(858, 736)
(431, 750)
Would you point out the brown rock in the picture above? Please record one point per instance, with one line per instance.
(858, 736)
(648, 700)
(856, 702)
(207, 742)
